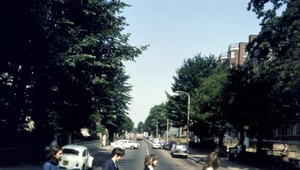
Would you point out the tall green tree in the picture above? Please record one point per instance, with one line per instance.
(63, 60)
(207, 113)
(140, 127)
(157, 118)
(188, 78)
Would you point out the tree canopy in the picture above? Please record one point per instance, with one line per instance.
(62, 65)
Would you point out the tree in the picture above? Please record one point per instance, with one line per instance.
(140, 127)
(58, 63)
(157, 116)
(207, 101)
(188, 78)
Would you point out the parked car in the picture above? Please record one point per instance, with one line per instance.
(76, 157)
(167, 145)
(156, 144)
(179, 150)
(125, 144)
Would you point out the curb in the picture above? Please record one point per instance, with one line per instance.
(198, 161)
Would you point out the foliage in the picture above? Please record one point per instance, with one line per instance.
(188, 78)
(206, 105)
(62, 61)
(140, 127)
(156, 118)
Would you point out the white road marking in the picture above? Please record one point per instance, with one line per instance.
(147, 151)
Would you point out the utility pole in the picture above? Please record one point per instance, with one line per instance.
(188, 116)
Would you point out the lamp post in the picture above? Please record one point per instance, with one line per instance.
(188, 116)
(167, 130)
(156, 129)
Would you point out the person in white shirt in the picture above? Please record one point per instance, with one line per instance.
(150, 162)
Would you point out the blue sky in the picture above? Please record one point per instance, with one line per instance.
(177, 30)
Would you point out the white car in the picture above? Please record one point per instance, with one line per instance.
(125, 144)
(156, 143)
(76, 157)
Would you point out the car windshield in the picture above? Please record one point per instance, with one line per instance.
(180, 147)
(156, 141)
(71, 151)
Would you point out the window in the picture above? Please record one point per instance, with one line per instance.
(70, 151)
(232, 54)
(245, 53)
(84, 153)
(294, 131)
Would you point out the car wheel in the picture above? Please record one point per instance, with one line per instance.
(131, 147)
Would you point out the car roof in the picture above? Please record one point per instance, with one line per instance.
(76, 147)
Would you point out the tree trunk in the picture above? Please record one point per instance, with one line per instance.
(221, 138)
(242, 136)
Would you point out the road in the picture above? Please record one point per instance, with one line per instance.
(134, 159)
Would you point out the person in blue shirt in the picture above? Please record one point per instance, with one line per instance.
(53, 157)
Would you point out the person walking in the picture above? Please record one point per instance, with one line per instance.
(212, 161)
(116, 155)
(52, 158)
(150, 162)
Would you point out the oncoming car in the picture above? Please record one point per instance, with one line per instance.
(76, 157)
(179, 150)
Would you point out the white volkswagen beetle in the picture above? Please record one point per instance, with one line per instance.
(76, 157)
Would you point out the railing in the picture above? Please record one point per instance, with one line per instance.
(233, 46)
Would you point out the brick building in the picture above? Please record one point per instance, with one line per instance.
(236, 53)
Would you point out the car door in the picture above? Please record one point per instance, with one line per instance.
(126, 144)
(90, 160)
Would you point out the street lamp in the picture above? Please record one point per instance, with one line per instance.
(188, 116)
(156, 129)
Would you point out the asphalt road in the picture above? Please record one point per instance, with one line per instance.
(134, 159)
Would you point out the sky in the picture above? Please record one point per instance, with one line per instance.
(176, 30)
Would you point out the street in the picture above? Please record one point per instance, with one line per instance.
(134, 159)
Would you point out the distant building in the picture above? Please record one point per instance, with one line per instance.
(236, 53)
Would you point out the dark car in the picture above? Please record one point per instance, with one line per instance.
(167, 145)
(179, 150)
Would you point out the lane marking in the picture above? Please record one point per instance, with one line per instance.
(147, 151)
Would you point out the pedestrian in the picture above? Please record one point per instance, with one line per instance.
(212, 161)
(116, 155)
(52, 158)
(285, 157)
(150, 162)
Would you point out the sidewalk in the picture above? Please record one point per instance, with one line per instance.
(200, 158)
